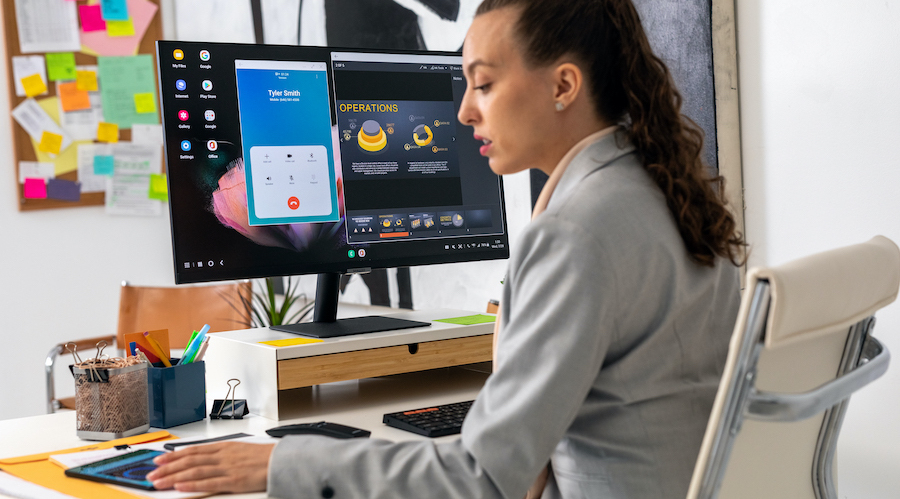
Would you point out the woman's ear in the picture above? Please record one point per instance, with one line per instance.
(568, 80)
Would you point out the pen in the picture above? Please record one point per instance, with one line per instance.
(187, 346)
(157, 349)
(194, 345)
(201, 351)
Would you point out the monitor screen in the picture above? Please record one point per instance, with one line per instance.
(286, 160)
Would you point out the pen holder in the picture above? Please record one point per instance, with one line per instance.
(177, 394)
(110, 403)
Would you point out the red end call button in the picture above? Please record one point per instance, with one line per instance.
(293, 203)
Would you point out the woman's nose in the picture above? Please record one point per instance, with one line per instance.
(468, 114)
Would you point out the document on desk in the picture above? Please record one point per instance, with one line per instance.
(23, 489)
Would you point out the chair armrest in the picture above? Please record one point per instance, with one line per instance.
(783, 407)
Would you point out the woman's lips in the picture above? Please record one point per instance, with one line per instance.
(486, 147)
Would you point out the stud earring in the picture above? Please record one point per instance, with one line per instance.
(560, 106)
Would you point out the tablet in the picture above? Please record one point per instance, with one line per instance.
(129, 470)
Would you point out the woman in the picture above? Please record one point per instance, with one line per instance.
(620, 296)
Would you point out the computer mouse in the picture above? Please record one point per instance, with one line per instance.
(323, 428)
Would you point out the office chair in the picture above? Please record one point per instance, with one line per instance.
(801, 346)
(84, 349)
(182, 309)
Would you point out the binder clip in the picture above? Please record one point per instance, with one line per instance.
(229, 409)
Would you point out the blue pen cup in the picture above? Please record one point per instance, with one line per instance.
(177, 394)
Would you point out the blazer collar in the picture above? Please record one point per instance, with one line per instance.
(595, 156)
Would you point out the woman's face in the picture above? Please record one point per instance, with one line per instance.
(510, 105)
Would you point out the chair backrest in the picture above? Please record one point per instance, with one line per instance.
(800, 347)
(85, 348)
(182, 309)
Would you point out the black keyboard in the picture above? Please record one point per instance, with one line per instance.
(436, 421)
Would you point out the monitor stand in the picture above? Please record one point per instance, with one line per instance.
(325, 323)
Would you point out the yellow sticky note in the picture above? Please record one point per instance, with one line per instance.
(50, 142)
(120, 28)
(34, 85)
(159, 189)
(145, 103)
(86, 80)
(291, 342)
(107, 132)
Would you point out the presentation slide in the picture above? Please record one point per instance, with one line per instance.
(287, 141)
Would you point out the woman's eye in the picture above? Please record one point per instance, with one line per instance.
(483, 87)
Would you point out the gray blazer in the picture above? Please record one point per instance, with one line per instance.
(612, 342)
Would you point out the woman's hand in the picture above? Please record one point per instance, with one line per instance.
(219, 467)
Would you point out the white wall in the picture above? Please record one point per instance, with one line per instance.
(819, 109)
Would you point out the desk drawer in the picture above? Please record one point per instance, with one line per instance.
(310, 371)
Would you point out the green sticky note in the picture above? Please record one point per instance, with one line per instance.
(469, 320)
(159, 189)
(121, 79)
(60, 66)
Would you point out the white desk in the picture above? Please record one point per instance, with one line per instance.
(359, 403)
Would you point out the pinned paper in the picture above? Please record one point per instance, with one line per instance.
(147, 134)
(86, 80)
(99, 43)
(108, 132)
(89, 181)
(91, 18)
(145, 103)
(121, 78)
(33, 85)
(127, 195)
(35, 188)
(60, 66)
(35, 169)
(71, 98)
(64, 190)
(159, 189)
(114, 10)
(120, 28)
(104, 165)
(50, 143)
(28, 65)
(35, 118)
(46, 26)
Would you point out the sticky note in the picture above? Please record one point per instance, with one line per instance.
(60, 66)
(145, 103)
(120, 28)
(114, 10)
(35, 188)
(34, 85)
(64, 190)
(71, 98)
(91, 18)
(107, 132)
(86, 80)
(50, 142)
(104, 165)
(469, 320)
(291, 342)
(159, 189)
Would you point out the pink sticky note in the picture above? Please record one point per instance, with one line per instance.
(35, 188)
(91, 18)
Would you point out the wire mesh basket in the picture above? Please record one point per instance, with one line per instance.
(111, 403)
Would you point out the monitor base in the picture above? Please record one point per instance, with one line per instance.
(346, 327)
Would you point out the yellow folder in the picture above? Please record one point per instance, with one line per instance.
(38, 469)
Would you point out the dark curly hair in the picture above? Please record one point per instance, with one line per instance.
(630, 84)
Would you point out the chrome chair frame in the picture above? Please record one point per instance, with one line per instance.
(864, 360)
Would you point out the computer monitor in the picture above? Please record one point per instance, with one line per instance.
(286, 160)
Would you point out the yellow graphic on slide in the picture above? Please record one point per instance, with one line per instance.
(422, 135)
(371, 137)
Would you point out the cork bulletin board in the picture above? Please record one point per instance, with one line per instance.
(24, 148)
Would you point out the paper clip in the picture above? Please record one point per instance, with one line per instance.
(238, 406)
